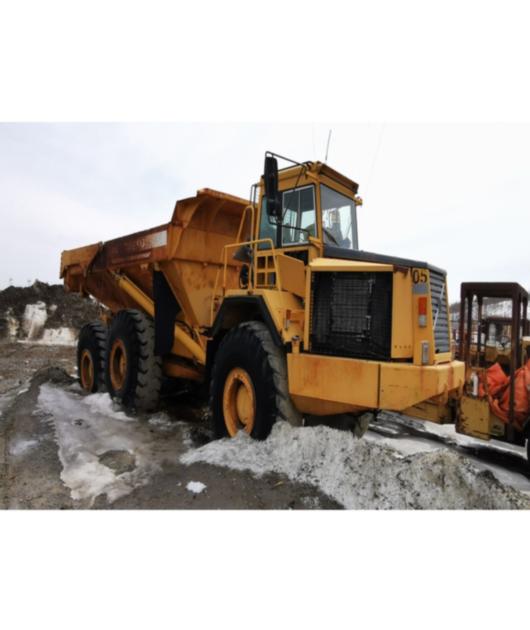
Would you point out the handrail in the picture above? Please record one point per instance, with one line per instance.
(224, 263)
(242, 222)
(253, 243)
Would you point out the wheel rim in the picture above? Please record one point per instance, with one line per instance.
(118, 364)
(239, 402)
(86, 369)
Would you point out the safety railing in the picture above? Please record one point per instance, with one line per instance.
(220, 287)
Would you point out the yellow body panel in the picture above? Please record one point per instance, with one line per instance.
(278, 303)
(368, 384)
(404, 385)
(402, 329)
(477, 420)
(350, 382)
(292, 272)
(475, 417)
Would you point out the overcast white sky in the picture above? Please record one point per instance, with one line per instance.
(454, 195)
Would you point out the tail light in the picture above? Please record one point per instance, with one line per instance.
(422, 312)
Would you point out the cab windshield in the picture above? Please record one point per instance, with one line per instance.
(339, 219)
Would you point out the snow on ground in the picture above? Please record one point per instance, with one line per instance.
(361, 473)
(196, 487)
(21, 447)
(35, 316)
(59, 337)
(408, 436)
(403, 465)
(53, 337)
(12, 324)
(88, 431)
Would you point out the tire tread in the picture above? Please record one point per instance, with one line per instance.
(255, 336)
(147, 381)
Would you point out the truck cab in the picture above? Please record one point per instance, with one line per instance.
(318, 207)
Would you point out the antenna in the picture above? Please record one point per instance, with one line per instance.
(327, 146)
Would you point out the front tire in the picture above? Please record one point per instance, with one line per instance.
(91, 348)
(133, 372)
(249, 389)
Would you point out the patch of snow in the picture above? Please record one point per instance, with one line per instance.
(12, 324)
(196, 487)
(54, 337)
(22, 447)
(162, 421)
(311, 503)
(33, 321)
(104, 405)
(403, 446)
(86, 427)
(59, 337)
(429, 436)
(187, 440)
(360, 473)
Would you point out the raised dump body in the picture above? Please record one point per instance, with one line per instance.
(188, 250)
(271, 303)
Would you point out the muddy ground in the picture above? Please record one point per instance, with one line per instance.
(30, 467)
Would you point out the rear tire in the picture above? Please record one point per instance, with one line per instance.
(250, 375)
(133, 372)
(91, 349)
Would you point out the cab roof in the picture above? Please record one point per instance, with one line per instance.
(320, 168)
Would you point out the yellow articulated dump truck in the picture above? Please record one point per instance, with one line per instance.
(271, 303)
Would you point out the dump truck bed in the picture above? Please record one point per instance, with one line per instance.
(188, 249)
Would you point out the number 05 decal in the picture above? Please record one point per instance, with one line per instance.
(419, 276)
(419, 282)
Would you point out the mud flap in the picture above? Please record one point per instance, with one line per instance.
(360, 427)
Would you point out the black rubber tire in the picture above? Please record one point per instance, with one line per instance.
(250, 346)
(143, 372)
(93, 337)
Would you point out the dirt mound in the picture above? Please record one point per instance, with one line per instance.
(43, 312)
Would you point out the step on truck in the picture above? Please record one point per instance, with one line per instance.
(270, 303)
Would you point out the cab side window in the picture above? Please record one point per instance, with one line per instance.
(299, 218)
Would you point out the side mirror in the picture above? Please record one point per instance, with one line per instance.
(270, 177)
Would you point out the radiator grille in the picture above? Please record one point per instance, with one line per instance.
(439, 312)
(351, 314)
